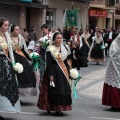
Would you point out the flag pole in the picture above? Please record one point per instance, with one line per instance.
(72, 5)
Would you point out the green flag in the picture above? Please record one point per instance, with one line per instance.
(71, 17)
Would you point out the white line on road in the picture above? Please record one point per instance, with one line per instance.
(21, 113)
(100, 118)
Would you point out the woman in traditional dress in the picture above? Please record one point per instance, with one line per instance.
(9, 99)
(55, 92)
(97, 52)
(26, 79)
(111, 89)
(86, 44)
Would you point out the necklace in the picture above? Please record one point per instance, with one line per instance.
(57, 45)
(57, 48)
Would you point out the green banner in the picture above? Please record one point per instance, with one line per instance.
(71, 17)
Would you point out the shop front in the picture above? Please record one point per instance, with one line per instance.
(97, 17)
(24, 13)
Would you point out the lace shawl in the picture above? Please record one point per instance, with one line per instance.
(113, 69)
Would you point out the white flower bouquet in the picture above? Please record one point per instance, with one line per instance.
(75, 78)
(106, 44)
(93, 38)
(74, 74)
(33, 54)
(44, 42)
(18, 67)
(36, 61)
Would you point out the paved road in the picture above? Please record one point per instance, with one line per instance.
(87, 108)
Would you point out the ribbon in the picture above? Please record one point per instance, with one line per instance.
(36, 60)
(13, 64)
(73, 85)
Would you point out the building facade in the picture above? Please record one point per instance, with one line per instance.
(53, 16)
(102, 14)
(27, 13)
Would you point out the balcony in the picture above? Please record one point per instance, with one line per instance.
(97, 4)
(117, 4)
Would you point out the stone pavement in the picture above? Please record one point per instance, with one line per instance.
(89, 107)
(92, 83)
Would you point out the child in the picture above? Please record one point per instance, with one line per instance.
(31, 46)
(77, 57)
(31, 50)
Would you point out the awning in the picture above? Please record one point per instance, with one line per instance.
(97, 13)
(25, 4)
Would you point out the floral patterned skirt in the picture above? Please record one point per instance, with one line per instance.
(44, 102)
(8, 85)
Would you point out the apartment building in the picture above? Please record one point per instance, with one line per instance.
(53, 16)
(27, 13)
(117, 14)
(101, 13)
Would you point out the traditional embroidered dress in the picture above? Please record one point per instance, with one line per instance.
(9, 99)
(56, 98)
(86, 45)
(26, 79)
(111, 89)
(97, 52)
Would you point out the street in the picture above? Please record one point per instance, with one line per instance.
(89, 107)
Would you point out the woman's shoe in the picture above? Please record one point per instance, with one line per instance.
(97, 63)
(1, 118)
(48, 111)
(115, 109)
(59, 113)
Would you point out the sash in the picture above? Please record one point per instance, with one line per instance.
(17, 49)
(85, 39)
(59, 61)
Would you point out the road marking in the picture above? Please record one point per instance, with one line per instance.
(29, 113)
(100, 118)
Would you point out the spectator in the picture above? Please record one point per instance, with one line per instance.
(32, 34)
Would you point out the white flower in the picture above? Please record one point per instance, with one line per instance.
(93, 38)
(51, 48)
(74, 73)
(48, 41)
(106, 45)
(56, 55)
(18, 67)
(33, 53)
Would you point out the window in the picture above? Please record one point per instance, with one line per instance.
(117, 1)
(110, 2)
(117, 12)
(50, 17)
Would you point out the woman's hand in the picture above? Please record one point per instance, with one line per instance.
(51, 78)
